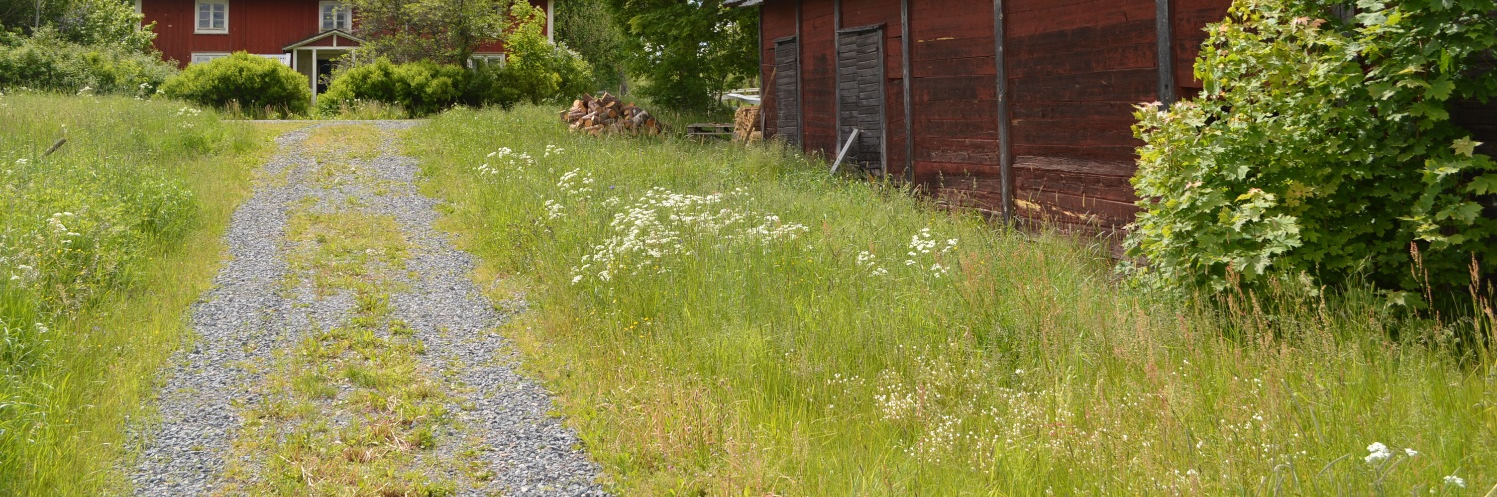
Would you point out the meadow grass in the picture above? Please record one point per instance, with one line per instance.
(104, 245)
(724, 320)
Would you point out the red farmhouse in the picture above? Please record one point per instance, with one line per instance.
(304, 34)
(1020, 107)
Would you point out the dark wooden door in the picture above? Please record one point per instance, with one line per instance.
(860, 94)
(787, 89)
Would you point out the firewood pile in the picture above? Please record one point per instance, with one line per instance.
(607, 114)
(746, 125)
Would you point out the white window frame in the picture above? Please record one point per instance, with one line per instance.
(322, 18)
(487, 59)
(197, 18)
(201, 57)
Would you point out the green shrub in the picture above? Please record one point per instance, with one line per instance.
(48, 62)
(257, 85)
(538, 71)
(421, 88)
(1321, 150)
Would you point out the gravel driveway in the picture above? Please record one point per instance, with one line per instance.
(253, 318)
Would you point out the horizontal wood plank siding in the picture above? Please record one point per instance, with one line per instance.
(1076, 68)
(818, 77)
(955, 98)
(1190, 18)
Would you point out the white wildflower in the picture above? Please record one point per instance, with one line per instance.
(1455, 480)
(1411, 452)
(1377, 452)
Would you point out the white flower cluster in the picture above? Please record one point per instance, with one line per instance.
(923, 246)
(188, 111)
(1377, 452)
(507, 156)
(869, 260)
(1455, 480)
(660, 224)
(575, 183)
(62, 229)
(552, 150)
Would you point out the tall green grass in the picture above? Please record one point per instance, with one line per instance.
(103, 246)
(839, 348)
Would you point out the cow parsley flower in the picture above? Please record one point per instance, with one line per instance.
(1377, 452)
(1455, 480)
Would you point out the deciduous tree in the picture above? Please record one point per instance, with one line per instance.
(688, 52)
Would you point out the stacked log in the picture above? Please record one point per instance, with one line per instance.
(746, 125)
(607, 114)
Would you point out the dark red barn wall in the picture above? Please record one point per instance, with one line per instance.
(1190, 18)
(777, 20)
(1075, 69)
(954, 97)
(818, 76)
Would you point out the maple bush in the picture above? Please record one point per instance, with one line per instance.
(1321, 151)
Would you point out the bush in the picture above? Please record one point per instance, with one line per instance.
(258, 85)
(1321, 150)
(48, 62)
(420, 88)
(538, 71)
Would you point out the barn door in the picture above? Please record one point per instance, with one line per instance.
(860, 94)
(787, 89)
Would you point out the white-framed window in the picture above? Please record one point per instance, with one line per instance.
(480, 60)
(213, 17)
(201, 57)
(335, 15)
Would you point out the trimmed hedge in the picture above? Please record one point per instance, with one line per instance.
(256, 85)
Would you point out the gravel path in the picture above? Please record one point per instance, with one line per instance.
(250, 315)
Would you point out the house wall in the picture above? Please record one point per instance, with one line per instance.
(255, 26)
(258, 26)
(1074, 69)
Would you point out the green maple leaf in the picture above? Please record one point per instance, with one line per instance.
(1465, 146)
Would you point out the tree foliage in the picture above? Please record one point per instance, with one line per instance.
(1322, 150)
(589, 27)
(109, 24)
(538, 71)
(688, 52)
(443, 31)
(46, 61)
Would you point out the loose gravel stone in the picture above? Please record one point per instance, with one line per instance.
(249, 315)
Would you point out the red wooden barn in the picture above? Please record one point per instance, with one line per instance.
(1020, 107)
(304, 34)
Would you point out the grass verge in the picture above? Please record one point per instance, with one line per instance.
(106, 243)
(720, 320)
